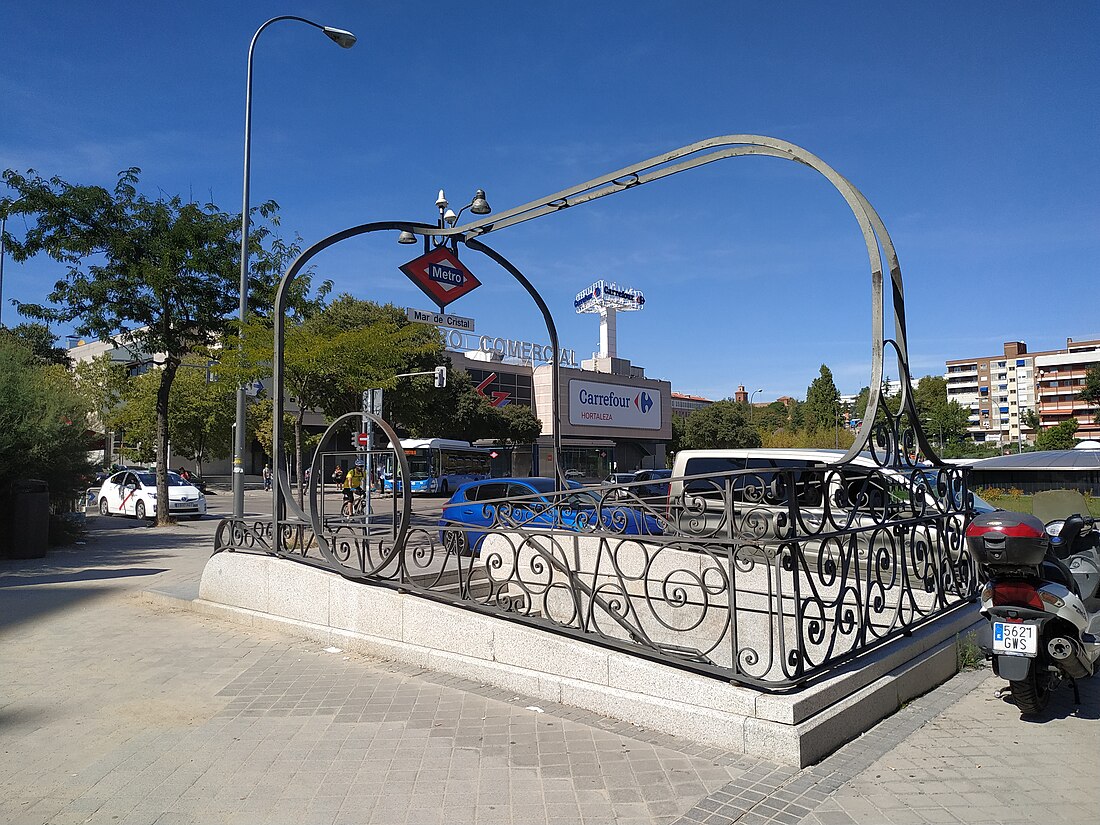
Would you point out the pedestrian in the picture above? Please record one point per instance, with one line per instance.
(266, 473)
(338, 476)
(182, 473)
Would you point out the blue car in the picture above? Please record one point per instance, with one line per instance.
(532, 503)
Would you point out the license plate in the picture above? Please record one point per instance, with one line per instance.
(181, 505)
(1015, 639)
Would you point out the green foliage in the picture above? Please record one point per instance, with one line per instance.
(822, 402)
(42, 423)
(519, 425)
(41, 343)
(160, 276)
(774, 417)
(721, 425)
(1058, 437)
(968, 654)
(102, 383)
(944, 422)
(1091, 391)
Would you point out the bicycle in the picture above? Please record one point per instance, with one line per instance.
(355, 505)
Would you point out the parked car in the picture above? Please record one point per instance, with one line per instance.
(532, 503)
(656, 484)
(618, 478)
(134, 493)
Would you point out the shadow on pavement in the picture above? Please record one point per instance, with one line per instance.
(22, 605)
(90, 574)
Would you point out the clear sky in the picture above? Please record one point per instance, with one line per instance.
(972, 127)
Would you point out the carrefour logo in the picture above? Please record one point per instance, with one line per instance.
(643, 402)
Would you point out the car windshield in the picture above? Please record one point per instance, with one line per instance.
(150, 480)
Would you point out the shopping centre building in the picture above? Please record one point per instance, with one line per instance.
(611, 416)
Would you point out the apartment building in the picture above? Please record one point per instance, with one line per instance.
(684, 405)
(999, 390)
(1060, 379)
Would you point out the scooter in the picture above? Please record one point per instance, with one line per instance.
(1040, 599)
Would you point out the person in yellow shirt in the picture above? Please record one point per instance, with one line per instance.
(353, 482)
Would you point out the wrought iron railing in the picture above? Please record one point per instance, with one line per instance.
(762, 577)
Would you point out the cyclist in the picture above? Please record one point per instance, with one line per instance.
(353, 482)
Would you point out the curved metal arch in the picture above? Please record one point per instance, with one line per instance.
(284, 500)
(875, 235)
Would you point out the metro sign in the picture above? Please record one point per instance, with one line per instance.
(441, 275)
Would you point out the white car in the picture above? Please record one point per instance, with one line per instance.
(134, 493)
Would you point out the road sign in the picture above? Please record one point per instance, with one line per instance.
(362, 439)
(439, 319)
(441, 275)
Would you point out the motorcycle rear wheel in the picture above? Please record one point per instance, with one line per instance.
(1032, 694)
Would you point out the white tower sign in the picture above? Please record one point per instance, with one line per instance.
(607, 299)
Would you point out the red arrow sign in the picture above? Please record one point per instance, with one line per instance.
(498, 397)
(441, 275)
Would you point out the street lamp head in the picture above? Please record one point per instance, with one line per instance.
(480, 206)
(406, 237)
(450, 217)
(343, 39)
(441, 201)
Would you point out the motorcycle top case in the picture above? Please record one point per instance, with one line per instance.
(1010, 539)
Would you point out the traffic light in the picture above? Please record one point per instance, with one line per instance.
(441, 376)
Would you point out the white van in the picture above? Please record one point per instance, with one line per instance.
(764, 485)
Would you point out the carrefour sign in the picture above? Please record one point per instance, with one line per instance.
(613, 405)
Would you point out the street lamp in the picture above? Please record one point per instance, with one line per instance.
(345, 40)
(447, 217)
(751, 397)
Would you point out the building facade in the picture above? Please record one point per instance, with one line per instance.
(1000, 390)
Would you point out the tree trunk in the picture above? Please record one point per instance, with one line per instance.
(167, 376)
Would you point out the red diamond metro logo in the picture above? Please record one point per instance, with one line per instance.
(441, 275)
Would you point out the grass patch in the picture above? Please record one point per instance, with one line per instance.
(968, 656)
(1018, 502)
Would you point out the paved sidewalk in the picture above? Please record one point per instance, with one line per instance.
(117, 707)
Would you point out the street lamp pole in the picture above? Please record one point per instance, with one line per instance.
(751, 397)
(345, 40)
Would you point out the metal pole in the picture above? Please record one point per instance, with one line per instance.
(340, 38)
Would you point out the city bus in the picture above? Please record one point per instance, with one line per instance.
(440, 465)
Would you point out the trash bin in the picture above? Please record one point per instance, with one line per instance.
(27, 533)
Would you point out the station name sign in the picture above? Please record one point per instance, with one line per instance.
(439, 319)
(595, 404)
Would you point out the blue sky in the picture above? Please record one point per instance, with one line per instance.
(971, 127)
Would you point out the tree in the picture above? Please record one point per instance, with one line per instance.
(520, 426)
(822, 402)
(723, 424)
(774, 417)
(102, 383)
(331, 353)
(42, 430)
(1058, 437)
(41, 343)
(161, 274)
(1091, 391)
(944, 421)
